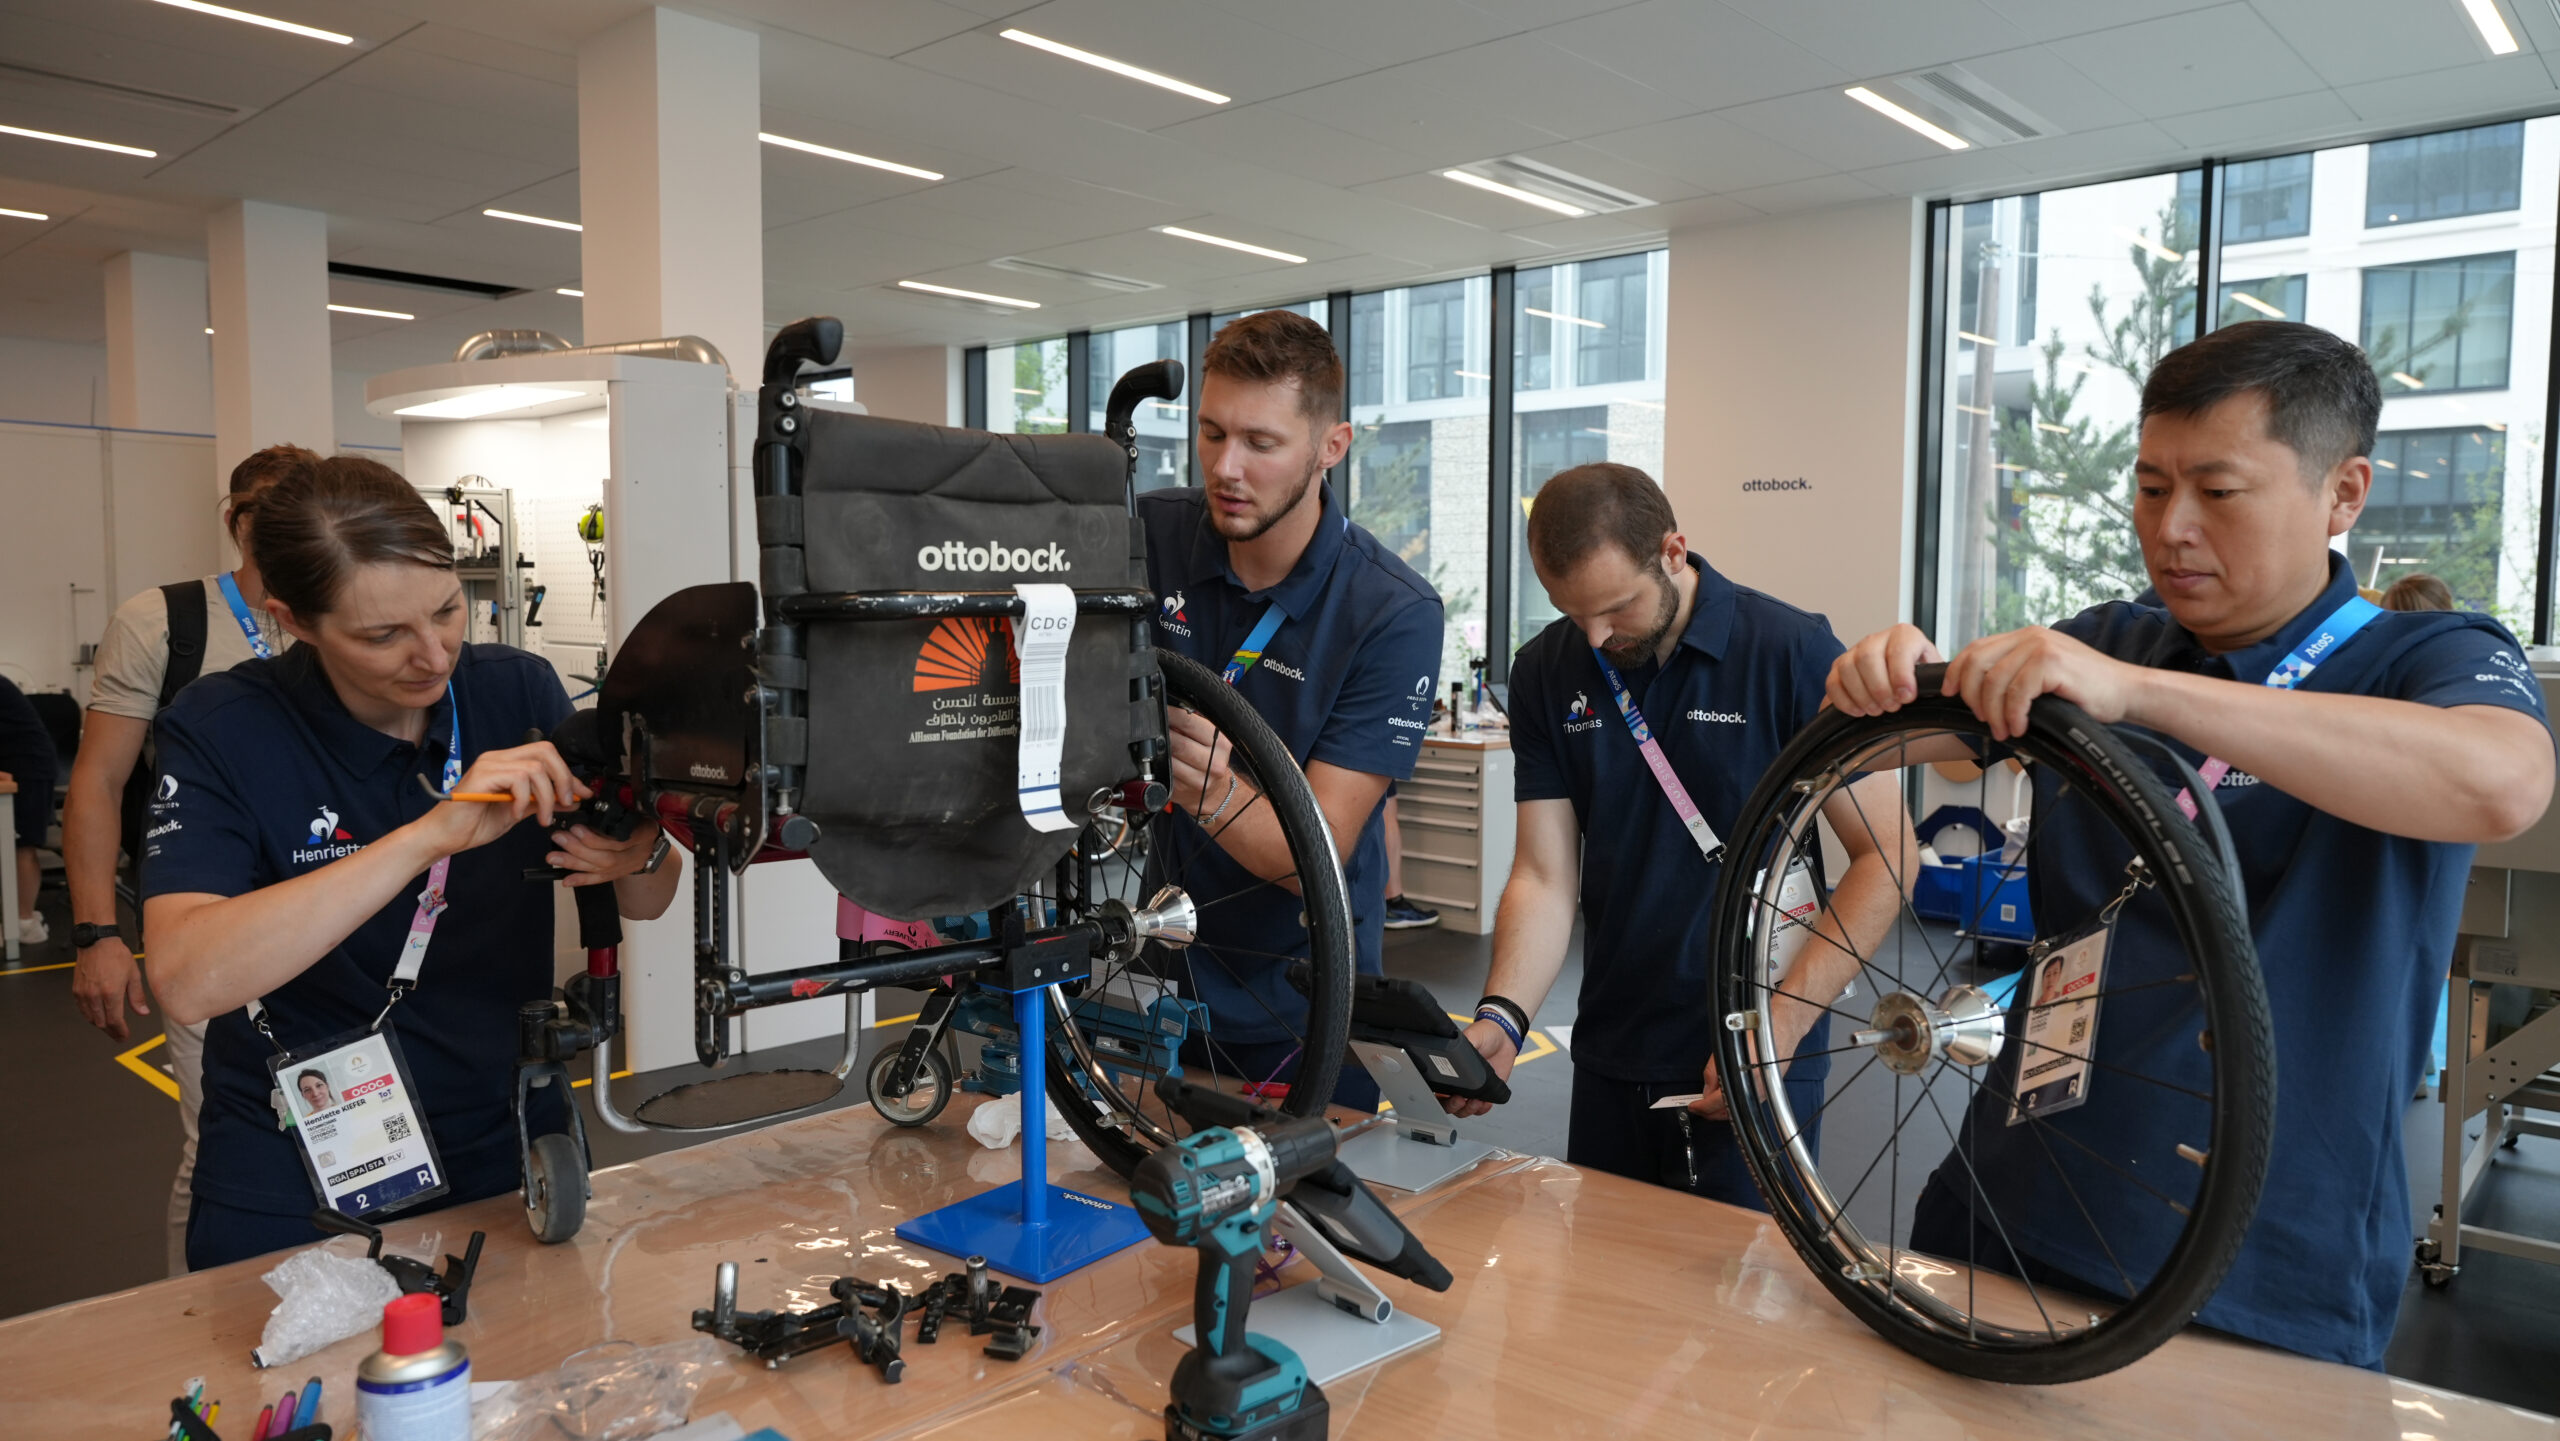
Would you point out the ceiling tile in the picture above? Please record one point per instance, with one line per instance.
(1557, 91)
(2371, 41)
(1947, 173)
(1382, 34)
(2068, 158)
(1276, 138)
(549, 67)
(1833, 130)
(1593, 163)
(1868, 39)
(2049, 85)
(1703, 53)
(1624, 230)
(2052, 19)
(1389, 108)
(2452, 95)
(877, 27)
(1710, 152)
(2195, 61)
(1811, 194)
(1702, 212)
(2287, 121)
(1209, 48)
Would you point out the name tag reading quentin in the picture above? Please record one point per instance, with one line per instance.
(1040, 643)
(355, 1116)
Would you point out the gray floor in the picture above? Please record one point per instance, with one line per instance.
(94, 1144)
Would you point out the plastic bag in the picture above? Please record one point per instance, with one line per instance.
(613, 1392)
(998, 1122)
(324, 1297)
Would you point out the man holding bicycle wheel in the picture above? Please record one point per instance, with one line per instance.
(2356, 755)
(1640, 721)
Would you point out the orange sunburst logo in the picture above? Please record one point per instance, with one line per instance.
(963, 651)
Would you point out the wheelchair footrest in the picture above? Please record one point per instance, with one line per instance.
(735, 1100)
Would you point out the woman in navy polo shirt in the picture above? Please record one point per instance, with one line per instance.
(290, 842)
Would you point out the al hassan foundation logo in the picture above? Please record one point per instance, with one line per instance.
(968, 651)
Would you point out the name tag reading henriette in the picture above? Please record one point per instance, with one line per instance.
(356, 1117)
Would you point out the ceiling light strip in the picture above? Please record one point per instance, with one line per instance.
(523, 219)
(1207, 239)
(1567, 319)
(363, 310)
(847, 156)
(1905, 118)
(76, 140)
(968, 294)
(24, 214)
(1116, 67)
(572, 294)
(271, 23)
(1526, 197)
(2491, 25)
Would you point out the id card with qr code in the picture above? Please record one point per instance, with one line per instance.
(355, 1115)
(2061, 1029)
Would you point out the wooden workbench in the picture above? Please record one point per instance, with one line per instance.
(1582, 1302)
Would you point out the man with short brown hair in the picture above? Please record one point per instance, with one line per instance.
(156, 642)
(1331, 637)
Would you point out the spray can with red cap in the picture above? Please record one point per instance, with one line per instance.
(418, 1386)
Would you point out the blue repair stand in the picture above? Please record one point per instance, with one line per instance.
(1029, 1228)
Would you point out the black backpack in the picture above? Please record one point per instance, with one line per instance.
(187, 614)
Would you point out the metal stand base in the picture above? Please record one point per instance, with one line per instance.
(1029, 1228)
(1330, 1343)
(1385, 1155)
(1418, 1147)
(1081, 1230)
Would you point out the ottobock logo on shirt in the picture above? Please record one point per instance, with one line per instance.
(1718, 717)
(2233, 780)
(329, 841)
(1279, 668)
(994, 555)
(1578, 716)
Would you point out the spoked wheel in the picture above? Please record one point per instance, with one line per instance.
(2040, 1240)
(1102, 1081)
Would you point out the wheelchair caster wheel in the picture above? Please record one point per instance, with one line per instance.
(555, 1188)
(923, 1101)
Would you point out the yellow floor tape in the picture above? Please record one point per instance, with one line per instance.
(132, 1061)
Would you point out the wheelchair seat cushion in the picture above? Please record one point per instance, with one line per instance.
(913, 724)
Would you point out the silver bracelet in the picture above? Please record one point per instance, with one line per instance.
(1223, 801)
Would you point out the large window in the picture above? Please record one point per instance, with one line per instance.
(1587, 385)
(1312, 309)
(1164, 427)
(2440, 324)
(1027, 387)
(2037, 434)
(2455, 172)
(2434, 508)
(1420, 413)
(2039, 427)
(2266, 199)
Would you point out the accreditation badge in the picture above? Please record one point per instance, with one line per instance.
(354, 1113)
(2061, 1029)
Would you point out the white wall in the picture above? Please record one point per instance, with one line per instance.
(374, 435)
(915, 382)
(1792, 349)
(52, 381)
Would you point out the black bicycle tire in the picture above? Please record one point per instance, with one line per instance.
(1324, 896)
(2211, 921)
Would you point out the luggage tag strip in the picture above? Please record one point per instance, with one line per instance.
(1040, 646)
(1699, 831)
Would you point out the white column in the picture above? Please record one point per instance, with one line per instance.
(159, 359)
(670, 185)
(269, 273)
(912, 382)
(1757, 310)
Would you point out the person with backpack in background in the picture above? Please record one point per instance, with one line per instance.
(156, 642)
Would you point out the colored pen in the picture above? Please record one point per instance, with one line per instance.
(212, 1414)
(266, 1416)
(491, 797)
(309, 1410)
(195, 1396)
(284, 1415)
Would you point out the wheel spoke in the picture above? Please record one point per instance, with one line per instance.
(1974, 1179)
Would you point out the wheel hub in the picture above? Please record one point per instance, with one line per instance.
(1909, 1031)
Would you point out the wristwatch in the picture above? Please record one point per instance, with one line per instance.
(84, 935)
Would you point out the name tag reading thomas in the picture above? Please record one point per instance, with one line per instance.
(356, 1118)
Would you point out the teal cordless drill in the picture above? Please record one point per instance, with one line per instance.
(1216, 1191)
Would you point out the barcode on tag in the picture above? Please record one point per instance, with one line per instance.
(1040, 645)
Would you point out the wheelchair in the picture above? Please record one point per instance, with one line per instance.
(861, 707)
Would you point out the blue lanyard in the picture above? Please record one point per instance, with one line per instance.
(249, 622)
(453, 753)
(1251, 651)
(1690, 817)
(2334, 631)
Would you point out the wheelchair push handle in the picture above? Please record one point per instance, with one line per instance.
(1155, 380)
(814, 340)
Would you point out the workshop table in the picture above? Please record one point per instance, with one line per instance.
(1582, 1300)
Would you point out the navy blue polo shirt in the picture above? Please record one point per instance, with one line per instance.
(1746, 675)
(2354, 932)
(267, 777)
(1348, 680)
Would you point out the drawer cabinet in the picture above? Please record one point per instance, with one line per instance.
(1456, 815)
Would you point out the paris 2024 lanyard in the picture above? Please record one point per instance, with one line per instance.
(2334, 631)
(349, 1099)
